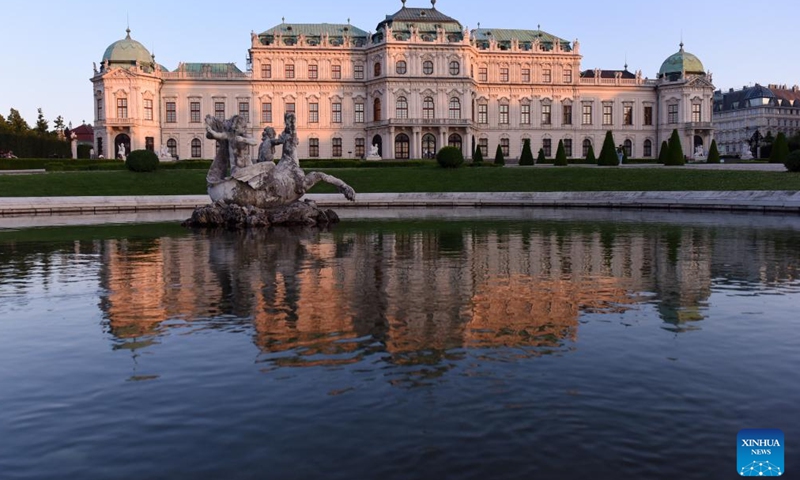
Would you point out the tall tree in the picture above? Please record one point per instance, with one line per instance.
(41, 124)
(713, 153)
(16, 123)
(676, 150)
(3, 124)
(608, 155)
(58, 124)
(561, 155)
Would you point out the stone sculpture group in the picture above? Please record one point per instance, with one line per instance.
(261, 193)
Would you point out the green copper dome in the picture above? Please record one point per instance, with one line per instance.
(127, 52)
(681, 62)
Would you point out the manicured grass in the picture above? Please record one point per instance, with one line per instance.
(414, 179)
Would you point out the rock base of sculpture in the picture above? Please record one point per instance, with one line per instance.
(235, 217)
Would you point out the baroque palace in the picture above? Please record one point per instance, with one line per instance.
(420, 82)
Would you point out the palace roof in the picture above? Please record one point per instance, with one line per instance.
(526, 38)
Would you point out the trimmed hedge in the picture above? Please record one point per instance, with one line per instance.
(676, 157)
(527, 156)
(590, 157)
(792, 162)
(780, 149)
(663, 156)
(540, 157)
(450, 157)
(713, 153)
(477, 157)
(142, 161)
(34, 146)
(499, 159)
(561, 155)
(608, 155)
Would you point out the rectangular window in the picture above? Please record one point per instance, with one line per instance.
(586, 118)
(525, 115)
(359, 72)
(266, 70)
(483, 74)
(194, 109)
(627, 115)
(526, 75)
(336, 72)
(244, 110)
(483, 144)
(697, 116)
(361, 148)
(313, 72)
(289, 70)
(148, 109)
(219, 110)
(359, 112)
(568, 76)
(313, 113)
(648, 116)
(336, 113)
(546, 115)
(172, 115)
(290, 108)
(266, 112)
(567, 117)
(99, 108)
(608, 114)
(568, 147)
(313, 147)
(150, 144)
(547, 75)
(503, 114)
(504, 147)
(504, 75)
(336, 147)
(483, 113)
(672, 114)
(122, 108)
(197, 148)
(547, 146)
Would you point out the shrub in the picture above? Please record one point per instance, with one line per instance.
(478, 156)
(663, 157)
(675, 150)
(450, 157)
(780, 149)
(499, 159)
(713, 153)
(526, 158)
(541, 158)
(561, 155)
(142, 161)
(608, 155)
(792, 162)
(590, 158)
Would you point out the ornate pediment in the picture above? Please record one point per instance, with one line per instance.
(699, 82)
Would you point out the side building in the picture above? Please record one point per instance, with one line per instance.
(744, 118)
(420, 82)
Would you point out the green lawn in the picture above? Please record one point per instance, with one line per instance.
(417, 179)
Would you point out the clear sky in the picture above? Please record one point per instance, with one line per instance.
(49, 46)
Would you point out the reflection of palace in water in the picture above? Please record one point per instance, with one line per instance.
(332, 293)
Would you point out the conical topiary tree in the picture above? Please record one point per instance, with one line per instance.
(541, 158)
(608, 155)
(561, 155)
(675, 150)
(499, 159)
(590, 158)
(663, 156)
(477, 157)
(526, 158)
(780, 149)
(713, 153)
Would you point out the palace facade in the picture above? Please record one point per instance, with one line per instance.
(420, 82)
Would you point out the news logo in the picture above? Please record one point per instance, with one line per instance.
(760, 453)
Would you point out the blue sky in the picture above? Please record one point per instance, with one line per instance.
(50, 45)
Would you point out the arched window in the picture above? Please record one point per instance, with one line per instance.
(376, 110)
(627, 147)
(427, 67)
(401, 67)
(401, 147)
(587, 144)
(455, 141)
(648, 148)
(401, 110)
(428, 112)
(377, 70)
(455, 68)
(197, 148)
(455, 108)
(172, 147)
(428, 146)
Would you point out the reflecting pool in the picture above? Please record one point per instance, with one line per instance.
(437, 344)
